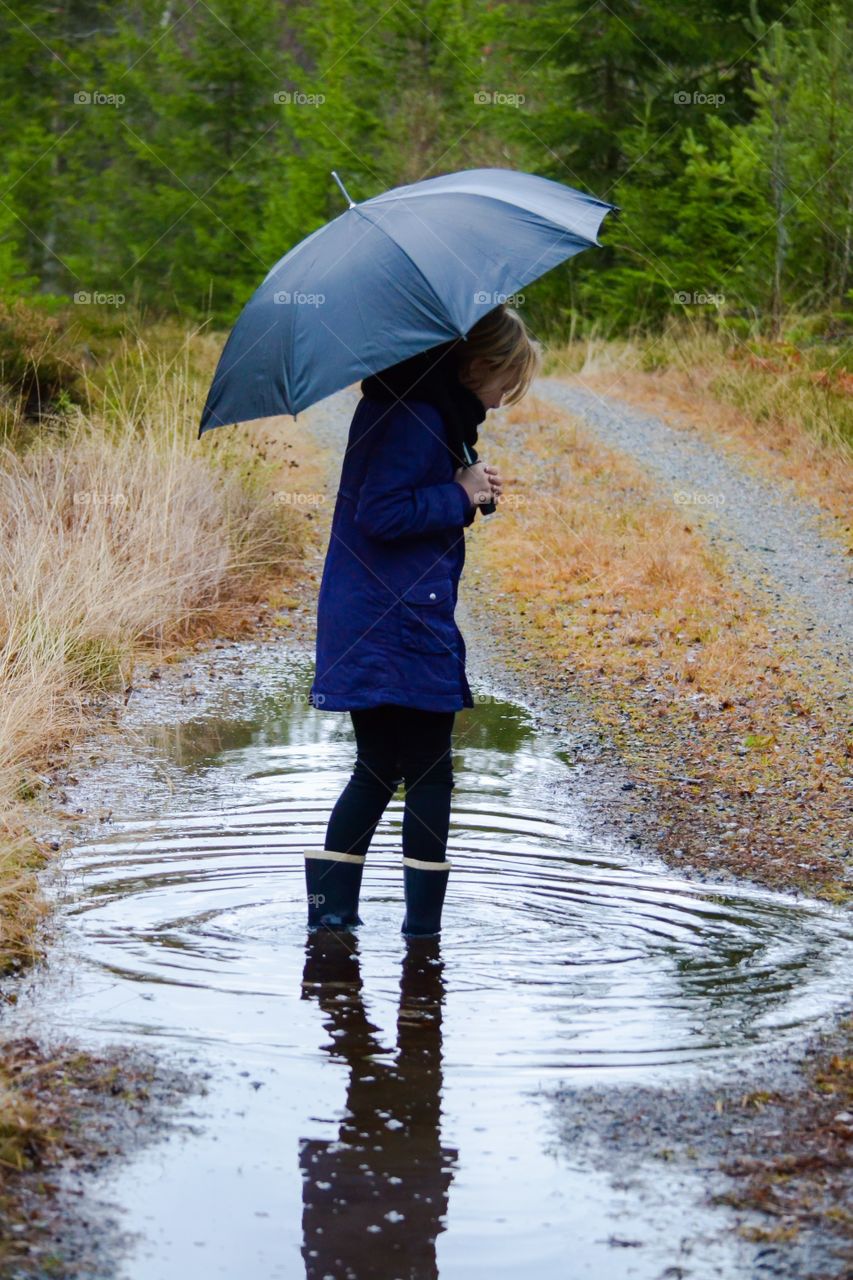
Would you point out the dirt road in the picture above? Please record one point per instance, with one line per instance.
(564, 912)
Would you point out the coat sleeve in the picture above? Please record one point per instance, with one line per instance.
(394, 501)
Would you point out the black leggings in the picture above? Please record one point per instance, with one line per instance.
(397, 744)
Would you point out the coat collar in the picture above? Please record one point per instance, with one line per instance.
(431, 376)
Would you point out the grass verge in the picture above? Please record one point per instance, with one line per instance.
(622, 596)
(124, 540)
(787, 406)
(122, 536)
(743, 752)
(64, 1113)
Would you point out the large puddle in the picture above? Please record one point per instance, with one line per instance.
(378, 1110)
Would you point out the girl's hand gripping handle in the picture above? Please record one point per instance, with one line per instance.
(481, 482)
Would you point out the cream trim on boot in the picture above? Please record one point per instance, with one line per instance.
(328, 855)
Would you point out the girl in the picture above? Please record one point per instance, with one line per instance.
(388, 648)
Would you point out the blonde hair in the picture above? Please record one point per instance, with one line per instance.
(500, 338)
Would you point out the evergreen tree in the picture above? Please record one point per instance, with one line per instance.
(725, 135)
(401, 90)
(802, 134)
(192, 158)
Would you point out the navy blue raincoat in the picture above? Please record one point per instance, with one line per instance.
(386, 630)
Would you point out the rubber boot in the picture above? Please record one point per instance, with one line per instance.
(425, 885)
(333, 882)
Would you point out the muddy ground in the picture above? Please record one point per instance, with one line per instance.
(773, 1155)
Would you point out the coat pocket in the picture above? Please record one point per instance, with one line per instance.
(427, 624)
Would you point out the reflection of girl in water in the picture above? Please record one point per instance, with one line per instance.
(388, 647)
(375, 1198)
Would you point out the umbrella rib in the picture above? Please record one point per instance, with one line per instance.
(503, 200)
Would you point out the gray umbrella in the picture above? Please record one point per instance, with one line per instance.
(390, 277)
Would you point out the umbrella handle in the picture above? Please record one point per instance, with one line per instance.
(487, 508)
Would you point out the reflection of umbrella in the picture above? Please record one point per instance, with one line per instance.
(390, 277)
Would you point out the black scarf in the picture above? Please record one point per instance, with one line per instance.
(431, 376)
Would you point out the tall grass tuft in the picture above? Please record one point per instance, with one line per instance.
(799, 387)
(120, 532)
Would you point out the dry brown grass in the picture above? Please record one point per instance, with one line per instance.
(121, 534)
(789, 410)
(624, 595)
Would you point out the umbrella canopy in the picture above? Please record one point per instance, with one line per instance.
(390, 277)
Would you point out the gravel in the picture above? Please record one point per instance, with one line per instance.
(772, 538)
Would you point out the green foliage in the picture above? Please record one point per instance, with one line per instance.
(203, 147)
(726, 145)
(395, 106)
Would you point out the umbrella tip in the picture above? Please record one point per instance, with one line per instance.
(343, 189)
